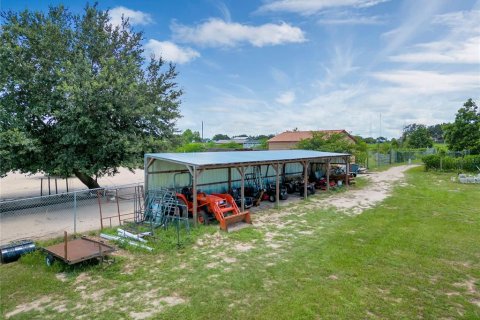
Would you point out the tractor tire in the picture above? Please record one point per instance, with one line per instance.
(272, 198)
(290, 188)
(203, 217)
(182, 208)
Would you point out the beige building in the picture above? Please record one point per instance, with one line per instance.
(289, 139)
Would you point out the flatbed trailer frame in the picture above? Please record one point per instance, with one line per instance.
(77, 250)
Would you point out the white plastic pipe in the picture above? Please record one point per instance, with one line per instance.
(126, 234)
(110, 237)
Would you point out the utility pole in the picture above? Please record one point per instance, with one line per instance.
(202, 130)
(380, 124)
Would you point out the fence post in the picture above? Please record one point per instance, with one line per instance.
(75, 212)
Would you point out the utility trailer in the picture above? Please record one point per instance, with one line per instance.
(76, 250)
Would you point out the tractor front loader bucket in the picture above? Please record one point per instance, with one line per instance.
(229, 215)
(236, 222)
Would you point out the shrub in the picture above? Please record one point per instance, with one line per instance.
(437, 162)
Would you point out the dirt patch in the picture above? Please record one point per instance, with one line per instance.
(158, 305)
(82, 277)
(37, 305)
(229, 260)
(243, 247)
(172, 300)
(61, 276)
(211, 265)
(469, 285)
(475, 302)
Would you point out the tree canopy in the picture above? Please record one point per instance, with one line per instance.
(189, 136)
(78, 96)
(321, 141)
(419, 138)
(416, 136)
(436, 132)
(464, 132)
(220, 136)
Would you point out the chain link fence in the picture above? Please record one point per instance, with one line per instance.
(378, 159)
(79, 211)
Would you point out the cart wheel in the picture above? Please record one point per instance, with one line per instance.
(49, 260)
(202, 217)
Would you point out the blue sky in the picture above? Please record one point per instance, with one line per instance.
(259, 67)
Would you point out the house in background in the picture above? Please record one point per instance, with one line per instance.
(246, 142)
(289, 139)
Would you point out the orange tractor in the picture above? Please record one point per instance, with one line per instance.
(221, 207)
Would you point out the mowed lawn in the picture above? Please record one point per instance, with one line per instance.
(415, 255)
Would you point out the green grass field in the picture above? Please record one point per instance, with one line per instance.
(416, 255)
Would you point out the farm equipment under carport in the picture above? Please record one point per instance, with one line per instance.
(297, 184)
(271, 192)
(236, 193)
(221, 207)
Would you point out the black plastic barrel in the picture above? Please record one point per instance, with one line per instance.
(14, 250)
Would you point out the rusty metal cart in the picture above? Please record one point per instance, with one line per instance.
(77, 250)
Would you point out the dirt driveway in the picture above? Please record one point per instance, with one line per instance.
(380, 186)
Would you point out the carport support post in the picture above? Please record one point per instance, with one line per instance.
(277, 185)
(328, 174)
(305, 178)
(241, 171)
(347, 169)
(229, 180)
(194, 191)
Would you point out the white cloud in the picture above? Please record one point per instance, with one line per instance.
(134, 17)
(286, 98)
(309, 7)
(467, 52)
(224, 11)
(353, 19)
(429, 82)
(461, 21)
(340, 65)
(218, 33)
(412, 25)
(169, 51)
(460, 43)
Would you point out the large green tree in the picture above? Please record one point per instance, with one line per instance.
(189, 136)
(220, 136)
(436, 132)
(78, 96)
(321, 141)
(416, 136)
(419, 137)
(464, 133)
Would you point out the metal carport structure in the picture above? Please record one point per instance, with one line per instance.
(197, 163)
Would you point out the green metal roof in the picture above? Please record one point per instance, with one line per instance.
(201, 159)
